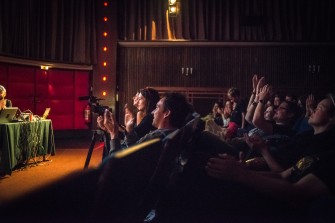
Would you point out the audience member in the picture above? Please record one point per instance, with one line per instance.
(307, 105)
(216, 114)
(4, 103)
(290, 97)
(232, 192)
(275, 197)
(170, 114)
(220, 130)
(237, 119)
(277, 100)
(320, 139)
(284, 117)
(145, 101)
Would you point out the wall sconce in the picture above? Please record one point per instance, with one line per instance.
(174, 8)
(45, 67)
(187, 71)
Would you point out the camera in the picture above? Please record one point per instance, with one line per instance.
(94, 104)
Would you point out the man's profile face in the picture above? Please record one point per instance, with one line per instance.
(158, 113)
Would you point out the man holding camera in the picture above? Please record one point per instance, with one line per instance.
(170, 113)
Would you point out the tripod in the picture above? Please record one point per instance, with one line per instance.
(104, 135)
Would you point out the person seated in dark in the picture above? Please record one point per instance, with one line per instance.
(4, 103)
(285, 115)
(307, 104)
(216, 114)
(137, 126)
(237, 118)
(321, 138)
(232, 192)
(170, 114)
(287, 195)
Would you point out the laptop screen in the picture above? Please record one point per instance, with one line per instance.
(7, 114)
(46, 113)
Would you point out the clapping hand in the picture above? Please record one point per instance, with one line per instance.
(128, 119)
(110, 124)
(310, 105)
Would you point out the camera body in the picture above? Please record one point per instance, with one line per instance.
(94, 105)
(99, 109)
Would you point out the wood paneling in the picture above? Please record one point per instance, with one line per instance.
(297, 68)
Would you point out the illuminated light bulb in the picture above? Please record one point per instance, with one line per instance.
(105, 48)
(173, 9)
(105, 4)
(105, 33)
(171, 2)
(104, 78)
(105, 19)
(105, 64)
(104, 93)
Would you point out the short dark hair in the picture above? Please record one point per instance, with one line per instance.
(178, 106)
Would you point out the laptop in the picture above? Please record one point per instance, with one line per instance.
(8, 114)
(46, 113)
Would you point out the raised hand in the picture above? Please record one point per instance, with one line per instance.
(265, 92)
(128, 118)
(310, 105)
(254, 82)
(100, 122)
(260, 84)
(110, 124)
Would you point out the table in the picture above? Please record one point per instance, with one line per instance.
(22, 141)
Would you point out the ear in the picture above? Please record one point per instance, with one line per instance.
(167, 113)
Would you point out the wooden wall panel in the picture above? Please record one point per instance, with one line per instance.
(289, 67)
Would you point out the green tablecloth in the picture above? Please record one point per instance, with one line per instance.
(22, 141)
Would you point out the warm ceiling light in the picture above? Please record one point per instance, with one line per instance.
(174, 8)
(104, 78)
(105, 64)
(105, 3)
(171, 2)
(45, 67)
(104, 93)
(105, 49)
(105, 19)
(105, 33)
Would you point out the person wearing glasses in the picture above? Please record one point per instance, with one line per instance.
(4, 103)
(223, 188)
(320, 138)
(284, 117)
